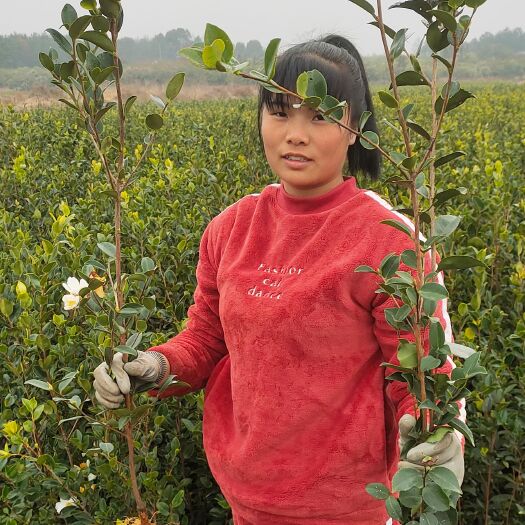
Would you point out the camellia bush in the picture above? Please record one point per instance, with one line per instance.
(62, 458)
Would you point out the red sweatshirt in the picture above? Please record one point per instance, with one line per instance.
(288, 340)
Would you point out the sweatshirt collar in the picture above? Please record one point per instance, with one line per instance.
(306, 205)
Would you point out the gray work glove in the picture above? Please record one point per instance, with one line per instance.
(446, 453)
(147, 367)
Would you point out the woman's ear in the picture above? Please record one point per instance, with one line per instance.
(352, 137)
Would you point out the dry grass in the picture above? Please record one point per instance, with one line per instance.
(48, 96)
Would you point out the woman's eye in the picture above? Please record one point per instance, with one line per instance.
(279, 114)
(318, 116)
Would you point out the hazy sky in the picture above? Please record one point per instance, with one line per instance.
(243, 20)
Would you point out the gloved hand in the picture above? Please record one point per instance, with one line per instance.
(147, 367)
(446, 453)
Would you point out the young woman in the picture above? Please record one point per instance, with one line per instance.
(284, 335)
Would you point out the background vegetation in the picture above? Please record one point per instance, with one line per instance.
(53, 214)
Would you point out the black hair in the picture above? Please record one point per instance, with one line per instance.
(341, 65)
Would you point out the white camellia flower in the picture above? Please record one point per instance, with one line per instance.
(73, 286)
(63, 503)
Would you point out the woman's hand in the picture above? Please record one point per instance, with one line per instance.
(446, 453)
(148, 367)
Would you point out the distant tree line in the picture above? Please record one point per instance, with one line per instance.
(150, 60)
(19, 50)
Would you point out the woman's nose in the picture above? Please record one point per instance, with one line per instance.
(296, 134)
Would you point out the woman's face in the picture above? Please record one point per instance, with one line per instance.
(305, 151)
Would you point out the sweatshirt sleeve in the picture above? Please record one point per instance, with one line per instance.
(388, 339)
(194, 352)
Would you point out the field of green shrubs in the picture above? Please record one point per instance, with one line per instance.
(54, 210)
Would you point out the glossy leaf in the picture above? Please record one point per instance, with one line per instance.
(363, 4)
(420, 130)
(175, 85)
(433, 291)
(61, 40)
(129, 103)
(192, 54)
(406, 479)
(213, 33)
(108, 249)
(441, 161)
(270, 57)
(421, 7)
(388, 30)
(378, 490)
(457, 100)
(407, 357)
(445, 478)
(459, 262)
(68, 15)
(99, 39)
(110, 8)
(46, 61)
(446, 224)
(435, 498)
(446, 18)
(387, 99)
(410, 78)
(393, 508)
(398, 43)
(154, 121)
(372, 136)
(437, 39)
(79, 26)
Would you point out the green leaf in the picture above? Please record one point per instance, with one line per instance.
(393, 508)
(389, 265)
(99, 39)
(421, 7)
(462, 427)
(46, 61)
(214, 33)
(364, 119)
(312, 84)
(332, 106)
(433, 291)
(398, 225)
(100, 23)
(131, 309)
(455, 101)
(372, 136)
(387, 99)
(39, 384)
(129, 102)
(445, 195)
(410, 498)
(446, 224)
(107, 248)
(89, 4)
(68, 15)
(408, 257)
(428, 519)
(398, 43)
(444, 61)
(365, 269)
(407, 356)
(411, 78)
(435, 498)
(99, 75)
(420, 130)
(461, 350)
(475, 3)
(61, 40)
(106, 447)
(388, 30)
(175, 85)
(79, 26)
(445, 18)
(437, 39)
(154, 121)
(124, 349)
(459, 262)
(110, 8)
(378, 490)
(429, 363)
(407, 479)
(270, 57)
(212, 54)
(134, 340)
(194, 55)
(363, 4)
(445, 478)
(147, 264)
